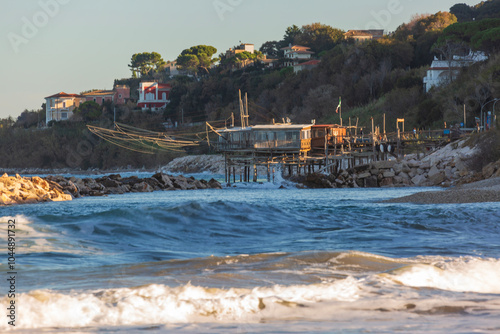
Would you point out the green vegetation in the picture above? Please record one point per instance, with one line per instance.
(145, 63)
(197, 59)
(68, 144)
(373, 78)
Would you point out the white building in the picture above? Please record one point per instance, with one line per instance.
(60, 106)
(444, 71)
(308, 65)
(296, 53)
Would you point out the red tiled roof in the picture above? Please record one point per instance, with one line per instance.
(99, 93)
(295, 47)
(63, 94)
(310, 62)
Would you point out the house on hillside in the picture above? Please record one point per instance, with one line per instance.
(242, 63)
(244, 47)
(364, 35)
(119, 95)
(60, 106)
(154, 96)
(172, 70)
(444, 71)
(294, 54)
(308, 65)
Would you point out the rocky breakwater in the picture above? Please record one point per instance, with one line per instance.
(60, 188)
(17, 189)
(445, 167)
(213, 164)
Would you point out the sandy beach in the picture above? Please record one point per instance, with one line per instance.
(481, 191)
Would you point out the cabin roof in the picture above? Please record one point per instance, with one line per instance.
(322, 126)
(281, 127)
(238, 129)
(269, 127)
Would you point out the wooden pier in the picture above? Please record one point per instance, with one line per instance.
(302, 149)
(293, 150)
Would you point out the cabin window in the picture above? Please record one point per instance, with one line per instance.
(306, 134)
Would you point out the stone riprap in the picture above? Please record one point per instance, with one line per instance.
(19, 190)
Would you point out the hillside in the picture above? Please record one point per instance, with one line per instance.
(373, 78)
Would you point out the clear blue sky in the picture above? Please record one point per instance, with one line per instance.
(48, 46)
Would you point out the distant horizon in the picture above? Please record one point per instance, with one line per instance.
(52, 46)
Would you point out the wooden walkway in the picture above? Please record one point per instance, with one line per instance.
(244, 164)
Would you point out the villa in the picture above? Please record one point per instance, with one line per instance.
(154, 96)
(60, 106)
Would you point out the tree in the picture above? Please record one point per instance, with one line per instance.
(28, 119)
(271, 49)
(197, 58)
(463, 12)
(487, 9)
(89, 111)
(290, 34)
(421, 24)
(319, 37)
(477, 35)
(145, 63)
(488, 40)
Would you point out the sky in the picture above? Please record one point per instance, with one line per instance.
(49, 46)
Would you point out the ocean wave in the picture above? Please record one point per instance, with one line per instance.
(35, 238)
(159, 304)
(367, 292)
(459, 275)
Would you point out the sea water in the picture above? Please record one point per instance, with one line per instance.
(254, 258)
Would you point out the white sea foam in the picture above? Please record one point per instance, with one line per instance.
(460, 275)
(354, 298)
(31, 238)
(154, 304)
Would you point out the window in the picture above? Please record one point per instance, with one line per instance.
(64, 115)
(64, 105)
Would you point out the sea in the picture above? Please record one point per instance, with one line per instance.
(263, 257)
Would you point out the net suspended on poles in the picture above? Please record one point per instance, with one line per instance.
(145, 141)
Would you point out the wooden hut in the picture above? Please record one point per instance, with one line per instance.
(334, 134)
(275, 137)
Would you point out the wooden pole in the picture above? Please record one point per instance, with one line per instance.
(465, 118)
(246, 110)
(225, 167)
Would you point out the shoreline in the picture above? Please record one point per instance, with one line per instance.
(485, 191)
(67, 171)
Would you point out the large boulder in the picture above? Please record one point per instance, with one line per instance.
(385, 164)
(214, 184)
(165, 180)
(142, 187)
(419, 180)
